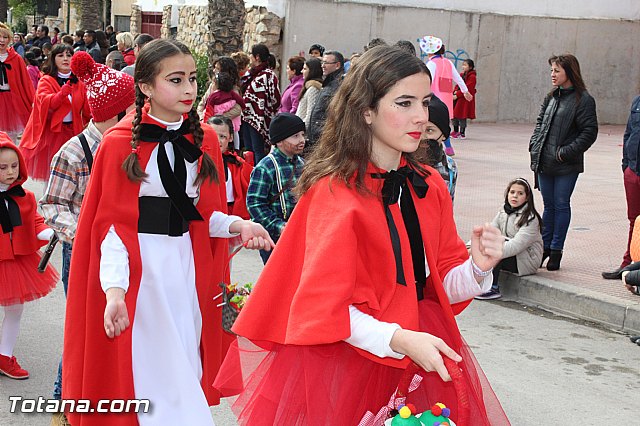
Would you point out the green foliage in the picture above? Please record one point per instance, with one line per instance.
(202, 65)
(21, 9)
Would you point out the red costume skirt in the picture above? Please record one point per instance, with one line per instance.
(10, 119)
(38, 160)
(21, 282)
(333, 385)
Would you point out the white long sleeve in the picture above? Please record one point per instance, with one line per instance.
(45, 235)
(219, 225)
(371, 335)
(114, 262)
(454, 73)
(460, 283)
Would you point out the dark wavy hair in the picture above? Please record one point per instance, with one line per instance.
(571, 67)
(148, 66)
(345, 147)
(49, 67)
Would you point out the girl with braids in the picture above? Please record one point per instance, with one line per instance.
(60, 111)
(142, 320)
(369, 271)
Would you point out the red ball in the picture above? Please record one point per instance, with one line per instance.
(82, 65)
(412, 408)
(436, 410)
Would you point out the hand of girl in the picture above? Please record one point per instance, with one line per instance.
(116, 318)
(253, 235)
(486, 246)
(424, 349)
(468, 96)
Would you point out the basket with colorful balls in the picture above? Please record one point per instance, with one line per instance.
(234, 297)
(407, 415)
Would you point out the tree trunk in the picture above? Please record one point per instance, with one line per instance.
(90, 15)
(226, 26)
(4, 6)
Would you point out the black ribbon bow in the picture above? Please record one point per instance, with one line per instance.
(9, 210)
(174, 181)
(396, 187)
(4, 79)
(229, 158)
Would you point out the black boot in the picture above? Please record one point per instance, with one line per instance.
(554, 260)
(545, 254)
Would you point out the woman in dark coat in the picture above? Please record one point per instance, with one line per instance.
(566, 127)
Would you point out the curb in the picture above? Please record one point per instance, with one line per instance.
(572, 301)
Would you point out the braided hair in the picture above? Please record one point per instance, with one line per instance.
(147, 68)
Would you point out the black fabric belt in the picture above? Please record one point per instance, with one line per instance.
(157, 217)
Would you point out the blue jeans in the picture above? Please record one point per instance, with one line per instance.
(66, 263)
(556, 194)
(253, 141)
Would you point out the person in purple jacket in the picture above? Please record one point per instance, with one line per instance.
(290, 97)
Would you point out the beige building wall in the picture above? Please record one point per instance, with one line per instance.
(510, 52)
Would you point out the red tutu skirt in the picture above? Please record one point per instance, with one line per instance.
(333, 385)
(11, 121)
(21, 282)
(38, 160)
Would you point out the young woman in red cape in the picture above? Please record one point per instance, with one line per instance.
(369, 273)
(142, 320)
(16, 90)
(60, 112)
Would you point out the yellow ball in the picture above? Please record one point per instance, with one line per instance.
(405, 412)
(441, 405)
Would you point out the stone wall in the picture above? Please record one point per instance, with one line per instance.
(165, 31)
(193, 27)
(262, 26)
(136, 19)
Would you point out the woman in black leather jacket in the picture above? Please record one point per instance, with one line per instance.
(566, 127)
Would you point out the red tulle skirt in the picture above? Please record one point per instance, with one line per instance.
(333, 385)
(38, 160)
(10, 119)
(21, 282)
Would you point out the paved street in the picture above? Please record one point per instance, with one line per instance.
(545, 369)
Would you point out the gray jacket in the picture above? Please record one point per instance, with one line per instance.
(525, 243)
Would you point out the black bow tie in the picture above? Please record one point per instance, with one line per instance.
(174, 181)
(395, 184)
(9, 211)
(4, 79)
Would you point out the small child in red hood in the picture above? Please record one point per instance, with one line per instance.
(22, 233)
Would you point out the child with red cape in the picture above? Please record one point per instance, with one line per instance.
(369, 273)
(22, 233)
(149, 253)
(16, 90)
(60, 112)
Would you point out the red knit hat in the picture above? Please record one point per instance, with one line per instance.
(109, 92)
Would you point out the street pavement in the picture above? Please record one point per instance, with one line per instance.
(544, 368)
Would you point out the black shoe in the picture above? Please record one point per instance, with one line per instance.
(616, 274)
(545, 254)
(635, 339)
(554, 260)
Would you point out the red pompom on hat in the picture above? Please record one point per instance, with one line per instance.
(109, 92)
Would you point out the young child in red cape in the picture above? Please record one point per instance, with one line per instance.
(60, 112)
(368, 274)
(22, 233)
(149, 253)
(236, 167)
(16, 90)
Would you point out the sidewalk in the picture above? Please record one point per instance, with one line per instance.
(490, 157)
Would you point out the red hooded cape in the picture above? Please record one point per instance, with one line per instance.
(96, 367)
(335, 252)
(43, 119)
(20, 85)
(240, 175)
(23, 239)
